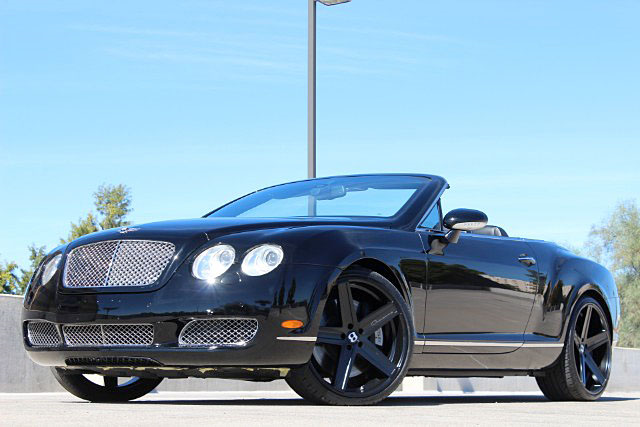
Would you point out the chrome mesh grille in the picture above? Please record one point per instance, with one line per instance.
(117, 263)
(232, 332)
(108, 335)
(43, 334)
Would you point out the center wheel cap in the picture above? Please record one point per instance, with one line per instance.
(352, 337)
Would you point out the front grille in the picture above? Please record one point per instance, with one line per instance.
(227, 332)
(108, 335)
(111, 361)
(117, 263)
(43, 334)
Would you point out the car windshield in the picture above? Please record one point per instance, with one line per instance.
(357, 196)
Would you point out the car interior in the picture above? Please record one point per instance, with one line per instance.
(491, 230)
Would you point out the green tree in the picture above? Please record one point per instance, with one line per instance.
(36, 254)
(616, 242)
(113, 203)
(9, 282)
(84, 226)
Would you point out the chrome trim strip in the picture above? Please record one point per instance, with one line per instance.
(309, 339)
(113, 258)
(519, 344)
(473, 343)
(533, 344)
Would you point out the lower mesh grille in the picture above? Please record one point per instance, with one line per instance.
(229, 332)
(111, 361)
(43, 334)
(108, 335)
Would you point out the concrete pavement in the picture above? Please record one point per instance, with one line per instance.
(286, 409)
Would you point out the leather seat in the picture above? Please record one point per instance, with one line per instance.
(491, 230)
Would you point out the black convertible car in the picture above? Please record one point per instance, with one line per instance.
(342, 286)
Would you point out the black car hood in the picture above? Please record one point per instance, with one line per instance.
(190, 234)
(207, 228)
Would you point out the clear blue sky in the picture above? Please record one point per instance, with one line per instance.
(531, 109)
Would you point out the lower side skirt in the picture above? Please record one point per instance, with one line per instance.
(231, 372)
(267, 373)
(467, 373)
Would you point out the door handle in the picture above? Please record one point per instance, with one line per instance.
(527, 260)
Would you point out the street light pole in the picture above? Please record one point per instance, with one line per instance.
(311, 85)
(311, 93)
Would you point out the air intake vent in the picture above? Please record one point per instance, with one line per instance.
(108, 335)
(117, 263)
(111, 361)
(43, 334)
(228, 332)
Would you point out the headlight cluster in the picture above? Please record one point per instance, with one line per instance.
(50, 268)
(262, 260)
(215, 261)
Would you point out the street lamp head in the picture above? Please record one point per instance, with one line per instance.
(333, 2)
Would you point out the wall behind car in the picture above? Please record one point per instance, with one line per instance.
(18, 374)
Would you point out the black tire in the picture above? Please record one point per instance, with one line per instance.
(582, 371)
(80, 386)
(362, 356)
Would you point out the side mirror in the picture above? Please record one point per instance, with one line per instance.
(459, 220)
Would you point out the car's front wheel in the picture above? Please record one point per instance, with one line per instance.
(112, 389)
(582, 370)
(364, 343)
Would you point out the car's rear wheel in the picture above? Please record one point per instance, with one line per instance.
(583, 369)
(112, 389)
(364, 343)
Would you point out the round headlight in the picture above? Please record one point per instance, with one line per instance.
(213, 262)
(262, 260)
(51, 268)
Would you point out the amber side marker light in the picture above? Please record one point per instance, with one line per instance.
(292, 324)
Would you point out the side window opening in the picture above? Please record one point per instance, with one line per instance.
(433, 221)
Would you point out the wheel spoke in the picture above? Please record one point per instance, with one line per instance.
(345, 363)
(583, 370)
(111, 382)
(594, 368)
(576, 340)
(347, 308)
(330, 336)
(585, 325)
(378, 318)
(597, 340)
(373, 355)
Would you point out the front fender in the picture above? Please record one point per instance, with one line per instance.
(564, 279)
(397, 255)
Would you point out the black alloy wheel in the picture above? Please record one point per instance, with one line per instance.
(583, 370)
(364, 343)
(112, 389)
(592, 348)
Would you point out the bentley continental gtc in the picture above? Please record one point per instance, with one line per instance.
(341, 286)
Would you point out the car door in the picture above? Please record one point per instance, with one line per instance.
(480, 292)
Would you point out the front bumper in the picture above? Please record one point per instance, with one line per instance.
(292, 292)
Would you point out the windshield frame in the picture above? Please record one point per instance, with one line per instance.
(432, 185)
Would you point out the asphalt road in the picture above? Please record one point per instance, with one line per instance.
(285, 409)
